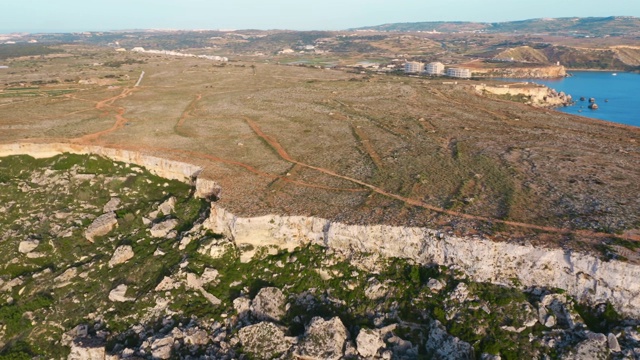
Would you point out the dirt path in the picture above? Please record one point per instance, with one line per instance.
(362, 137)
(120, 120)
(285, 156)
(187, 113)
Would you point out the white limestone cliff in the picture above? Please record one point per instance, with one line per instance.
(583, 276)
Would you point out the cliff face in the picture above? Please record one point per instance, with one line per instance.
(584, 276)
(523, 72)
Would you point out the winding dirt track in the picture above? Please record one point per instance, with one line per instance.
(273, 142)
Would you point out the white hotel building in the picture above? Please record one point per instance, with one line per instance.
(435, 68)
(459, 73)
(413, 67)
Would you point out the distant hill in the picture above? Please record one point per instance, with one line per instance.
(591, 26)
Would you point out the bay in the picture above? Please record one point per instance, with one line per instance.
(617, 96)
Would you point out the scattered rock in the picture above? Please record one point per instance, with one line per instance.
(122, 254)
(435, 285)
(87, 349)
(369, 342)
(263, 340)
(166, 284)
(323, 339)
(163, 228)
(613, 343)
(101, 226)
(167, 207)
(112, 205)
(118, 294)
(28, 246)
(161, 348)
(269, 304)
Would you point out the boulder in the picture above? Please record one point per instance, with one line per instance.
(119, 294)
(167, 207)
(122, 254)
(369, 342)
(376, 290)
(613, 343)
(269, 304)
(264, 340)
(161, 348)
(28, 246)
(163, 228)
(101, 226)
(207, 189)
(323, 339)
(435, 285)
(594, 347)
(87, 349)
(112, 205)
(166, 284)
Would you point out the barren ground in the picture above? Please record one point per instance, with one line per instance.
(350, 147)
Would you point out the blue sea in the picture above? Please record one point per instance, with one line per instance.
(617, 96)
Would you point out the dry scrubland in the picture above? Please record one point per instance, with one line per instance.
(357, 148)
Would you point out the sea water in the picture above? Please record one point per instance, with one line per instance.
(617, 94)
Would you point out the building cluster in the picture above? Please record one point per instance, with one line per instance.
(435, 68)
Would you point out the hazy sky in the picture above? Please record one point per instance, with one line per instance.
(91, 15)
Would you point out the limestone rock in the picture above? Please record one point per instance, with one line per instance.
(269, 304)
(102, 225)
(122, 254)
(28, 246)
(376, 290)
(207, 189)
(593, 348)
(209, 276)
(613, 343)
(263, 340)
(242, 306)
(163, 228)
(369, 342)
(167, 207)
(435, 285)
(445, 346)
(87, 349)
(112, 205)
(166, 284)
(119, 294)
(161, 348)
(323, 339)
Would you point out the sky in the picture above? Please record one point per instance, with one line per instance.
(102, 15)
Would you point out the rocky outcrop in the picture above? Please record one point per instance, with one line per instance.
(369, 342)
(87, 349)
(584, 276)
(537, 95)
